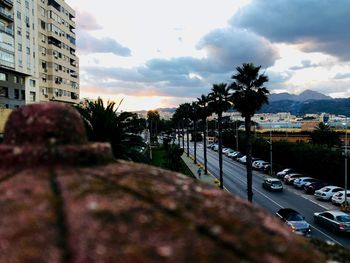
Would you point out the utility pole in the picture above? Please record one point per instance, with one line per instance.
(271, 152)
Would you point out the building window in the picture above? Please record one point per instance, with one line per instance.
(19, 47)
(42, 11)
(4, 92)
(32, 96)
(17, 94)
(3, 77)
(43, 25)
(32, 83)
(27, 35)
(18, 15)
(28, 51)
(19, 31)
(23, 95)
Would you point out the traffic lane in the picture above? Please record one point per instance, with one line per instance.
(235, 182)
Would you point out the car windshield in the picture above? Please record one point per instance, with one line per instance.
(344, 218)
(295, 217)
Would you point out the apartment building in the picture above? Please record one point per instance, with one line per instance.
(58, 63)
(37, 53)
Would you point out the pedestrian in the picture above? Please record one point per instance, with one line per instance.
(199, 172)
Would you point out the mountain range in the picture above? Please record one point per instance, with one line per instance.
(308, 101)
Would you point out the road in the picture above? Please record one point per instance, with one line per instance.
(234, 175)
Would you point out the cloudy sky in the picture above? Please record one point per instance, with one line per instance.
(159, 53)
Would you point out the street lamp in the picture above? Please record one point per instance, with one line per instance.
(346, 158)
(270, 142)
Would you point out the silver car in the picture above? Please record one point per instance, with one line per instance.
(295, 221)
(336, 221)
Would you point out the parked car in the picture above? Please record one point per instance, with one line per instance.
(339, 197)
(289, 178)
(272, 184)
(225, 150)
(301, 181)
(237, 156)
(259, 164)
(284, 172)
(327, 192)
(215, 147)
(229, 152)
(312, 187)
(295, 221)
(242, 159)
(336, 221)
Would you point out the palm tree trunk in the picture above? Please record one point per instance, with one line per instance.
(151, 132)
(188, 140)
(249, 158)
(205, 145)
(183, 135)
(220, 151)
(195, 141)
(178, 133)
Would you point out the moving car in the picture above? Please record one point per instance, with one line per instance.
(289, 178)
(284, 172)
(272, 184)
(295, 221)
(327, 192)
(339, 197)
(301, 181)
(336, 221)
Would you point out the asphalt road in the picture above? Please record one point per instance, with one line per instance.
(234, 175)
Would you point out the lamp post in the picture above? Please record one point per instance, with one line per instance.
(345, 157)
(271, 152)
(346, 160)
(236, 137)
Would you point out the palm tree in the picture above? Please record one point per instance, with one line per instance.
(204, 113)
(248, 97)
(176, 119)
(185, 110)
(103, 124)
(153, 119)
(194, 111)
(220, 101)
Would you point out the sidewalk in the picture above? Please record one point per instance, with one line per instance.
(207, 178)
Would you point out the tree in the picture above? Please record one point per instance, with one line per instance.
(153, 118)
(204, 113)
(220, 101)
(324, 135)
(185, 112)
(194, 111)
(248, 97)
(103, 124)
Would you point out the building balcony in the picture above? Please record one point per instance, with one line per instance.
(8, 3)
(7, 30)
(7, 47)
(7, 64)
(6, 15)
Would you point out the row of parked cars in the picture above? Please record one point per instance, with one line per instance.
(257, 163)
(336, 221)
(320, 189)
